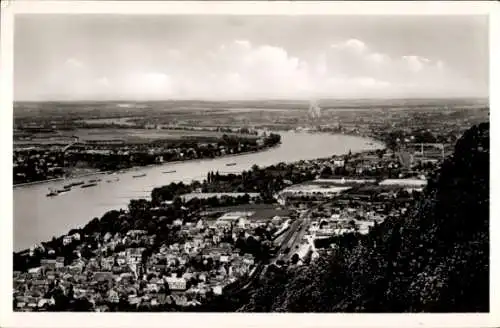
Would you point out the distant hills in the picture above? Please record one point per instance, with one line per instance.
(124, 105)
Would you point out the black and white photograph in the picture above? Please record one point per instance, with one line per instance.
(248, 163)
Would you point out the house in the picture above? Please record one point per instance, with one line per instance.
(152, 287)
(222, 271)
(134, 259)
(45, 301)
(118, 269)
(92, 264)
(178, 299)
(107, 263)
(121, 260)
(338, 162)
(248, 260)
(103, 276)
(48, 264)
(176, 284)
(67, 240)
(202, 277)
(134, 300)
(59, 262)
(113, 296)
(102, 308)
(200, 224)
(217, 289)
(50, 275)
(107, 237)
(136, 233)
(35, 271)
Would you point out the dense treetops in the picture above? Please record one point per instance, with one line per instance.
(434, 259)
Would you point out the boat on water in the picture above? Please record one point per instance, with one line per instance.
(165, 172)
(94, 180)
(78, 183)
(139, 175)
(112, 180)
(230, 164)
(52, 193)
(87, 185)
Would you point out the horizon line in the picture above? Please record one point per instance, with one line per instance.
(259, 99)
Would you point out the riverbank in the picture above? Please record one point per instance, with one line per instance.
(53, 216)
(128, 169)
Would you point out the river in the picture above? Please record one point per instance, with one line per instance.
(38, 217)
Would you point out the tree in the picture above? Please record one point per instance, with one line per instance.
(295, 258)
(326, 172)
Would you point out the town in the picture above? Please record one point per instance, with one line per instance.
(193, 242)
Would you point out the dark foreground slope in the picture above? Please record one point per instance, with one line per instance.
(435, 259)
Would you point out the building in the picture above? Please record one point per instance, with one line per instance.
(176, 284)
(59, 262)
(408, 184)
(303, 252)
(48, 264)
(313, 190)
(235, 218)
(67, 240)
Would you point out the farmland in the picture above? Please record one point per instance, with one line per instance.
(126, 136)
(260, 211)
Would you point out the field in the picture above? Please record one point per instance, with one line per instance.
(131, 135)
(126, 121)
(128, 136)
(261, 211)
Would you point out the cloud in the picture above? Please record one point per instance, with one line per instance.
(253, 70)
(352, 45)
(147, 85)
(242, 69)
(378, 58)
(103, 81)
(153, 79)
(373, 69)
(174, 53)
(416, 63)
(243, 43)
(73, 62)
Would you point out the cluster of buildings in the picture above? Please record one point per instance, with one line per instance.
(379, 187)
(48, 161)
(121, 272)
(31, 164)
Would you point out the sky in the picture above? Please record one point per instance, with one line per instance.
(113, 57)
